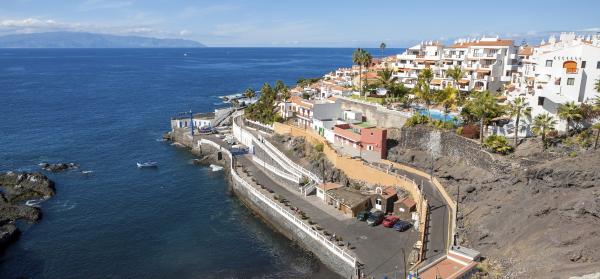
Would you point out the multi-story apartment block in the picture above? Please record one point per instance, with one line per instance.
(488, 63)
(558, 71)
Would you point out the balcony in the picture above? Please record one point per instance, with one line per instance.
(571, 71)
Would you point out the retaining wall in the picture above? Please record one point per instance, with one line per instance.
(375, 114)
(447, 143)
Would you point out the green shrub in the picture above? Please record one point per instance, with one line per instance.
(416, 119)
(459, 131)
(497, 144)
(573, 154)
(319, 147)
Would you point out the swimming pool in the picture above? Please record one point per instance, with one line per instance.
(439, 115)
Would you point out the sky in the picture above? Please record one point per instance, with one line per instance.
(305, 23)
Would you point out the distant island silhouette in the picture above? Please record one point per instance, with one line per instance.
(90, 40)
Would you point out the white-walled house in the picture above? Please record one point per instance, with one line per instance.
(564, 70)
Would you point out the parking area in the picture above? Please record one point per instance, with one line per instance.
(382, 250)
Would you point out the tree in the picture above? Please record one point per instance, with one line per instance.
(279, 86)
(357, 58)
(386, 79)
(518, 108)
(249, 93)
(422, 89)
(597, 85)
(542, 124)
(570, 112)
(382, 46)
(447, 98)
(456, 74)
(482, 104)
(285, 95)
(367, 59)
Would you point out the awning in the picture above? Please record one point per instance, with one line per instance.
(436, 81)
(463, 81)
(483, 71)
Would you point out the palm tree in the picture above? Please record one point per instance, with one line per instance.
(382, 46)
(542, 124)
(422, 89)
(357, 58)
(569, 112)
(385, 78)
(597, 86)
(483, 103)
(447, 98)
(279, 85)
(456, 74)
(517, 108)
(367, 59)
(249, 93)
(285, 95)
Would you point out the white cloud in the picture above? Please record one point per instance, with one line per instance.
(192, 11)
(90, 5)
(591, 29)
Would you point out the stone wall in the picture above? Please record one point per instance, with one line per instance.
(445, 143)
(292, 231)
(375, 114)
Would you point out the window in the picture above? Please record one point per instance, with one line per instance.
(583, 64)
(570, 81)
(598, 65)
(378, 201)
(541, 101)
(548, 63)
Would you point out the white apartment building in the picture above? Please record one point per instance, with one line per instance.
(558, 71)
(488, 63)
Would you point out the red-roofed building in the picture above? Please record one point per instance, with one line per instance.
(361, 139)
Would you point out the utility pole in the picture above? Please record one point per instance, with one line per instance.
(456, 217)
(192, 123)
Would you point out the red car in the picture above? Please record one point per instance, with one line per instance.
(390, 220)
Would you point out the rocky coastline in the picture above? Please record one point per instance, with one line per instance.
(515, 211)
(15, 189)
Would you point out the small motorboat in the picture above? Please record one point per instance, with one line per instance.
(215, 167)
(147, 165)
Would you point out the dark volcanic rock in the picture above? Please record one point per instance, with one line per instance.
(58, 167)
(16, 187)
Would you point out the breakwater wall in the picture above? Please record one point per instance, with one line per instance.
(263, 203)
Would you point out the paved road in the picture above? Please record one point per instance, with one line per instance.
(379, 248)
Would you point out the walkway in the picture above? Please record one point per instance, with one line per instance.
(379, 248)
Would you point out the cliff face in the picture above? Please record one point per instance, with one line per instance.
(535, 220)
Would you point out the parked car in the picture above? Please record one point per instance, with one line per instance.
(390, 221)
(375, 218)
(362, 216)
(402, 225)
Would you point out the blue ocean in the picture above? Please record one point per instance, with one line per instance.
(106, 109)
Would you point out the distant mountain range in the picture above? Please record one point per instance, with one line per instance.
(90, 40)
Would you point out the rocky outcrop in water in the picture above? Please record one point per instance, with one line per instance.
(58, 167)
(15, 188)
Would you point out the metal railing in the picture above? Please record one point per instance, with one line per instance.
(276, 171)
(289, 215)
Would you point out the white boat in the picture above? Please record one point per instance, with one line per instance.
(215, 167)
(147, 165)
